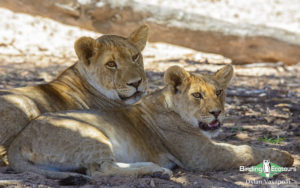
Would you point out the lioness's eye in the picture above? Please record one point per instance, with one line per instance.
(111, 64)
(219, 92)
(135, 57)
(197, 95)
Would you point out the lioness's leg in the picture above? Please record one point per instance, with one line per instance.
(129, 169)
(15, 113)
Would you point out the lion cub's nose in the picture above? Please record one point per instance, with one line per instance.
(216, 113)
(135, 84)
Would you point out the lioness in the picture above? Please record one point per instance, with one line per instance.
(109, 73)
(163, 130)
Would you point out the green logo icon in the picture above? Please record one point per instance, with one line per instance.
(266, 169)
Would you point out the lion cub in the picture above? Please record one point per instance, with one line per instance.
(109, 74)
(163, 130)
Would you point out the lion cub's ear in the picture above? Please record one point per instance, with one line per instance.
(139, 37)
(224, 75)
(175, 76)
(84, 48)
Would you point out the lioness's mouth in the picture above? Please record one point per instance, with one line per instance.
(135, 95)
(209, 126)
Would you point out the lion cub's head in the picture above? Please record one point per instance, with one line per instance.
(114, 65)
(199, 99)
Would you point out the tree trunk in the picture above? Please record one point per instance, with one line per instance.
(242, 43)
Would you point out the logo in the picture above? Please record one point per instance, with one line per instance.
(267, 169)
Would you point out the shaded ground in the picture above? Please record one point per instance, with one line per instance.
(263, 100)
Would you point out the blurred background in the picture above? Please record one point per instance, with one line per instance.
(261, 38)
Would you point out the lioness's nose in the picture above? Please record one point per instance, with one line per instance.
(216, 113)
(135, 84)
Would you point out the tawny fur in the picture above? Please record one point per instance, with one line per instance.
(89, 83)
(151, 136)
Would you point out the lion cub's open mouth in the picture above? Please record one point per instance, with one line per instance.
(209, 126)
(135, 95)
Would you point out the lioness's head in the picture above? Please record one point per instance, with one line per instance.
(114, 65)
(199, 99)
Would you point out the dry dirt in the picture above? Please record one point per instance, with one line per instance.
(263, 99)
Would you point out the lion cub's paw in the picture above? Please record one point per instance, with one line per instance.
(287, 158)
(159, 172)
(282, 158)
(164, 173)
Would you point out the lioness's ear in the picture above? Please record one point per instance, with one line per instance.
(175, 76)
(139, 37)
(224, 75)
(84, 48)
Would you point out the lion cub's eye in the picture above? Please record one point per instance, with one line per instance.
(135, 58)
(197, 95)
(111, 64)
(219, 92)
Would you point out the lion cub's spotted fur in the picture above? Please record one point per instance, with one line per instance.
(90, 83)
(151, 136)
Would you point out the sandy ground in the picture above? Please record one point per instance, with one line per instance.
(263, 99)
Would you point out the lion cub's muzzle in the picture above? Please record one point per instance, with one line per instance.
(214, 125)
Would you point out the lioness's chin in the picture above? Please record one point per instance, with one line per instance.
(132, 101)
(133, 98)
